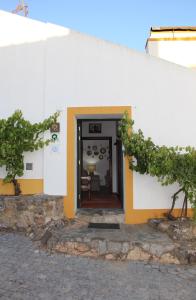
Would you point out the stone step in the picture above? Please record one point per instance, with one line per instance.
(101, 215)
(130, 242)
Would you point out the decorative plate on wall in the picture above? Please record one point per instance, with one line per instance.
(100, 156)
(96, 153)
(89, 152)
(103, 150)
(94, 147)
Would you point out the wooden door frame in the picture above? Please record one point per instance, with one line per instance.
(79, 160)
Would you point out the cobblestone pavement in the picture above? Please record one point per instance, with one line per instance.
(27, 273)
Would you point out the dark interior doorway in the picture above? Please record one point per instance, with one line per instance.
(99, 164)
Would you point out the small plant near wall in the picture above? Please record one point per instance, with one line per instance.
(169, 164)
(17, 136)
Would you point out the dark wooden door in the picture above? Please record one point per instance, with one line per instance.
(79, 162)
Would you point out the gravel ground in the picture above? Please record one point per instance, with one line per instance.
(30, 274)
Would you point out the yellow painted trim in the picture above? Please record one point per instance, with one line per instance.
(72, 113)
(138, 216)
(171, 39)
(28, 186)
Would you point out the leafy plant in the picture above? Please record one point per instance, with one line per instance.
(17, 136)
(169, 164)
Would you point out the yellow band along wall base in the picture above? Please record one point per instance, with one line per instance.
(139, 216)
(28, 186)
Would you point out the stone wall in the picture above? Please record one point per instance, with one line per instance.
(22, 212)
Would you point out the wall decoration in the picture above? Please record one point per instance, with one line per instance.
(94, 147)
(103, 150)
(100, 156)
(89, 152)
(96, 153)
(55, 127)
(54, 136)
(95, 128)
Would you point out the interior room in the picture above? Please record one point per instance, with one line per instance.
(101, 165)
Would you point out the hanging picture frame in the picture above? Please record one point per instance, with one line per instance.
(95, 128)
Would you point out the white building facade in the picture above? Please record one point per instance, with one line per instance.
(45, 68)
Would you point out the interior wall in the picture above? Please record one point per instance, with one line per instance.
(108, 130)
(102, 165)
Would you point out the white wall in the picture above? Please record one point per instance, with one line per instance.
(177, 46)
(22, 74)
(90, 72)
(55, 162)
(77, 70)
(179, 52)
(21, 87)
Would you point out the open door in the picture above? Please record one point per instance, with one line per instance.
(79, 161)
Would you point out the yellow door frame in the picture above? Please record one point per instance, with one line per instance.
(72, 114)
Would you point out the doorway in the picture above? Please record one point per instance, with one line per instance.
(99, 164)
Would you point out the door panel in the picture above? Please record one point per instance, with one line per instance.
(79, 161)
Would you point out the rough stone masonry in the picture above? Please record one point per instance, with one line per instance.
(23, 212)
(42, 218)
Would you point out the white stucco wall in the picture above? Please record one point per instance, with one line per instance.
(73, 69)
(177, 46)
(162, 95)
(21, 87)
(179, 52)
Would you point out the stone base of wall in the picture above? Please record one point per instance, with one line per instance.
(42, 219)
(22, 212)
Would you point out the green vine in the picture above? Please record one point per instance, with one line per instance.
(169, 164)
(17, 136)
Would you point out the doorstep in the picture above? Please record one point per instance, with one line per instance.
(101, 215)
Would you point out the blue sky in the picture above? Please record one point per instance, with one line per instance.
(124, 22)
